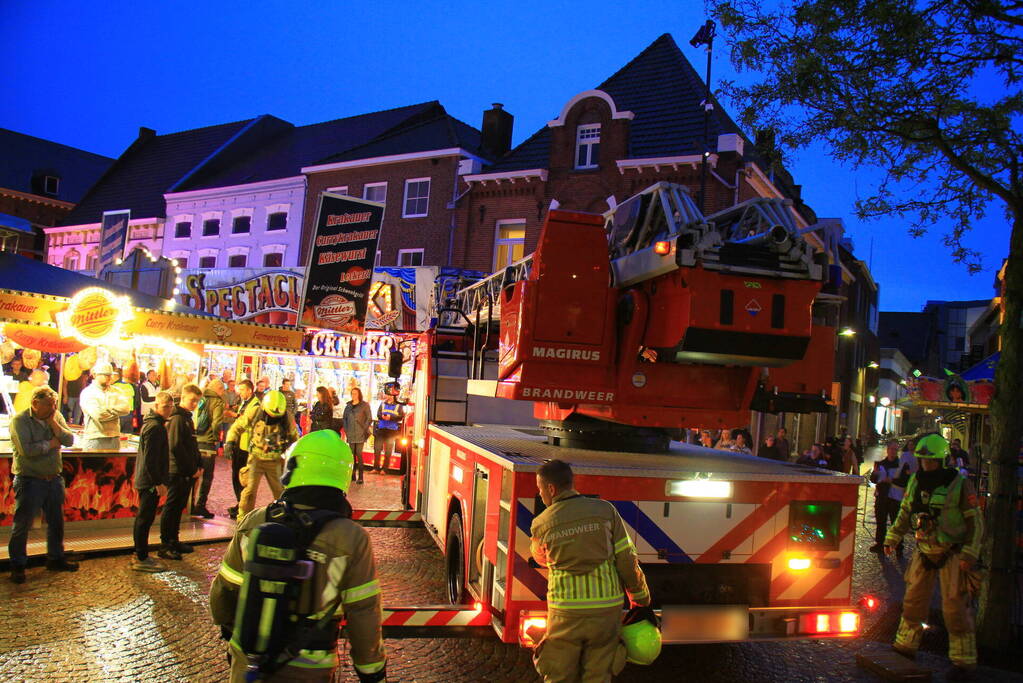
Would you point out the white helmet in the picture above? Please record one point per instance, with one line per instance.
(103, 368)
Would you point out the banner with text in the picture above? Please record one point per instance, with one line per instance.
(341, 257)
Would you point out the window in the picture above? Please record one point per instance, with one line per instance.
(71, 260)
(211, 227)
(183, 229)
(510, 243)
(587, 146)
(182, 262)
(417, 197)
(90, 260)
(236, 261)
(340, 189)
(273, 260)
(277, 221)
(410, 257)
(375, 192)
(207, 261)
(51, 184)
(241, 225)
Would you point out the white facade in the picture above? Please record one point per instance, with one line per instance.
(259, 225)
(891, 393)
(76, 247)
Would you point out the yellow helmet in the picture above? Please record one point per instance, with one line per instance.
(274, 403)
(933, 446)
(641, 636)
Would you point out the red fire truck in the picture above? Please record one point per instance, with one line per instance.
(617, 333)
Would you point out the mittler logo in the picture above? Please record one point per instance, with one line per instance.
(335, 309)
(94, 315)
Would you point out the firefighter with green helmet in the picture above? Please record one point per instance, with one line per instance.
(294, 569)
(940, 508)
(271, 429)
(592, 565)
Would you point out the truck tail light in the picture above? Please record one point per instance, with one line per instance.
(531, 630)
(662, 248)
(849, 622)
(825, 623)
(799, 563)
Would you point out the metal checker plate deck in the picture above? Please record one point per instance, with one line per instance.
(526, 450)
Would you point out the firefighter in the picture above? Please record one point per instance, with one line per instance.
(271, 430)
(940, 506)
(583, 543)
(343, 581)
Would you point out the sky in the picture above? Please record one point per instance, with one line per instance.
(89, 74)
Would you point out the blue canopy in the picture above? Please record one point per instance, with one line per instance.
(984, 369)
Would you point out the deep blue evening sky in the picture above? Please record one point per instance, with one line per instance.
(88, 74)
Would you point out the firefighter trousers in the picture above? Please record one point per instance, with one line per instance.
(962, 640)
(254, 470)
(580, 649)
(286, 674)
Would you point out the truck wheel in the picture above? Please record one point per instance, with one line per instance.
(454, 554)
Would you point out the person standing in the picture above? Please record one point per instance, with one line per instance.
(887, 496)
(272, 431)
(850, 463)
(239, 453)
(37, 433)
(940, 506)
(356, 420)
(183, 469)
(151, 476)
(289, 398)
(17, 370)
(118, 383)
(209, 416)
(781, 442)
(147, 392)
(739, 443)
(590, 558)
(389, 416)
(959, 458)
(321, 416)
(102, 407)
(318, 472)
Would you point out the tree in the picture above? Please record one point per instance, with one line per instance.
(899, 85)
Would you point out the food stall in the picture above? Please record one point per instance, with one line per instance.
(48, 309)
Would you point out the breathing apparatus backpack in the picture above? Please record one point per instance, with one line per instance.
(268, 625)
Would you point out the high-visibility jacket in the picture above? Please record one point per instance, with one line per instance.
(266, 440)
(589, 555)
(343, 567)
(243, 436)
(389, 416)
(957, 518)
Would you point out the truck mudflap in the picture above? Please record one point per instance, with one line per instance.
(388, 518)
(437, 621)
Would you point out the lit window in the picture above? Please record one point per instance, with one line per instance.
(510, 243)
(182, 262)
(211, 227)
(183, 230)
(587, 146)
(410, 257)
(90, 260)
(236, 261)
(417, 197)
(277, 221)
(207, 261)
(71, 261)
(241, 225)
(275, 260)
(375, 192)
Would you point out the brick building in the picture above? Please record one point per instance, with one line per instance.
(642, 125)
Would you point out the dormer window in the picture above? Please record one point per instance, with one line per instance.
(51, 185)
(587, 146)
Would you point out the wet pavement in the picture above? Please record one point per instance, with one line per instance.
(107, 623)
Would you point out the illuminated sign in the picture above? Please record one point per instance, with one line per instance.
(95, 316)
(382, 313)
(327, 344)
(222, 295)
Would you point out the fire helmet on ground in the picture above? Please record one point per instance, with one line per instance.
(274, 403)
(641, 636)
(932, 446)
(320, 458)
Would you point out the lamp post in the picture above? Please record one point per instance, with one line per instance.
(705, 36)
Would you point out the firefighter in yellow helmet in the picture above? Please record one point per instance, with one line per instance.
(940, 507)
(590, 559)
(280, 603)
(271, 430)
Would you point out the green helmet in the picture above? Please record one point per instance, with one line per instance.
(274, 403)
(319, 458)
(642, 641)
(932, 446)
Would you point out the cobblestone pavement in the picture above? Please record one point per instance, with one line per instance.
(107, 623)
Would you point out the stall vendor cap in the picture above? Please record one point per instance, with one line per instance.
(103, 368)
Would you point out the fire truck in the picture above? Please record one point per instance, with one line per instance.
(599, 349)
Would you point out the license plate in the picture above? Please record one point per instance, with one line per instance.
(704, 623)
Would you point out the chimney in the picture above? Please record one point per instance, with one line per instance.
(497, 131)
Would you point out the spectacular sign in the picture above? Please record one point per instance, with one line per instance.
(245, 299)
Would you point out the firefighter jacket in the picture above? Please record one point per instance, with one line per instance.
(344, 574)
(242, 437)
(269, 437)
(941, 507)
(214, 405)
(590, 557)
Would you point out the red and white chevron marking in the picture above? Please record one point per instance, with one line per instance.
(430, 616)
(386, 516)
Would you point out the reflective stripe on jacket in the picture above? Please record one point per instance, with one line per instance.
(958, 518)
(590, 557)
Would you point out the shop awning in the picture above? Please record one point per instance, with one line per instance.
(984, 369)
(34, 293)
(14, 223)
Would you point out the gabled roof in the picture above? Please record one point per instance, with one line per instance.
(439, 132)
(286, 154)
(149, 167)
(664, 92)
(26, 160)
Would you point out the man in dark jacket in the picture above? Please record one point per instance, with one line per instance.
(184, 467)
(151, 474)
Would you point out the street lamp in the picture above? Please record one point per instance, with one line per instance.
(885, 401)
(847, 332)
(873, 365)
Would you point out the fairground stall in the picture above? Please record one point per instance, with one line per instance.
(75, 321)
